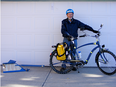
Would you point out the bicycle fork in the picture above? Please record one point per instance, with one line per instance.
(104, 59)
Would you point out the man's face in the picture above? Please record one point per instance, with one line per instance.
(70, 15)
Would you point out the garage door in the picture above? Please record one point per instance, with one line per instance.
(28, 29)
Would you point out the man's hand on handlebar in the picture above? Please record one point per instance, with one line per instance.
(96, 31)
(69, 37)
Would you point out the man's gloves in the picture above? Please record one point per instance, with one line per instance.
(69, 37)
(96, 31)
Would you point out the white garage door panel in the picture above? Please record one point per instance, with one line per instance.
(60, 7)
(111, 42)
(24, 24)
(100, 8)
(57, 24)
(112, 10)
(82, 8)
(29, 29)
(24, 40)
(6, 55)
(8, 40)
(42, 24)
(8, 8)
(57, 38)
(42, 41)
(8, 24)
(97, 20)
(24, 57)
(24, 8)
(43, 59)
(112, 22)
(43, 8)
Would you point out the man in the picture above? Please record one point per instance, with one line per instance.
(70, 28)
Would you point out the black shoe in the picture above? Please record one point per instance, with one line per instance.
(74, 69)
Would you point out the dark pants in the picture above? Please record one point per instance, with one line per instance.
(69, 44)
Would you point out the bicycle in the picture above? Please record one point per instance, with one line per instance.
(105, 59)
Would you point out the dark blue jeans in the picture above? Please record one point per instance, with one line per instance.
(69, 44)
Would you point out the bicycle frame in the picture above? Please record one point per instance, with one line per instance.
(98, 46)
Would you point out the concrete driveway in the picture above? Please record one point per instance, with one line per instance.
(45, 77)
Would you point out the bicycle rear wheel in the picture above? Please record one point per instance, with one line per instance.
(61, 67)
(106, 62)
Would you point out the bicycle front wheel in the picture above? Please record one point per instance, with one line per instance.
(106, 62)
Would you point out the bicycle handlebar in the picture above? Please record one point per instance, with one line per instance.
(83, 35)
(97, 35)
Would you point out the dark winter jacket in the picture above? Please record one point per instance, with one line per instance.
(71, 28)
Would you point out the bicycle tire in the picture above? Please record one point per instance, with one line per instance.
(101, 68)
(55, 68)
